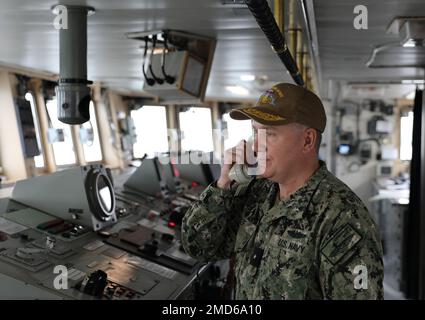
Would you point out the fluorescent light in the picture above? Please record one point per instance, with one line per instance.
(247, 77)
(230, 2)
(238, 90)
(418, 81)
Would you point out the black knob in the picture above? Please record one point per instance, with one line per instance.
(95, 283)
(167, 237)
(150, 247)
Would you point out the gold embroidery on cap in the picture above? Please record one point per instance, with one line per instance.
(263, 115)
(279, 92)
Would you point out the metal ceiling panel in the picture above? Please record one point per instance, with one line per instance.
(30, 40)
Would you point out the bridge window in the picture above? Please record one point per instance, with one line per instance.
(89, 136)
(61, 139)
(406, 130)
(196, 127)
(151, 130)
(237, 130)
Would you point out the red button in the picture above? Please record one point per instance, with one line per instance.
(171, 224)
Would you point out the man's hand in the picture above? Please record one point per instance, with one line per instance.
(231, 156)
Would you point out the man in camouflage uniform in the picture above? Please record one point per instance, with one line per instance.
(297, 232)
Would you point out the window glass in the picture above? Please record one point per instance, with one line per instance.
(63, 150)
(406, 131)
(89, 137)
(151, 130)
(196, 127)
(237, 130)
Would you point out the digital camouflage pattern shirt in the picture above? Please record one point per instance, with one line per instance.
(320, 243)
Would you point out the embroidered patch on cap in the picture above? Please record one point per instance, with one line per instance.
(270, 96)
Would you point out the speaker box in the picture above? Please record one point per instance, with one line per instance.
(82, 195)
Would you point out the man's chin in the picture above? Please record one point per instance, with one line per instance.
(266, 174)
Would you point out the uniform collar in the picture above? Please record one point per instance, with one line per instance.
(294, 207)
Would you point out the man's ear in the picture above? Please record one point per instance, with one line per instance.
(310, 137)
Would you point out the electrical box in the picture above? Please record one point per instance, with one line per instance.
(346, 144)
(385, 168)
(378, 125)
(365, 153)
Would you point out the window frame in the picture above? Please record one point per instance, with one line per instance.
(37, 128)
(101, 161)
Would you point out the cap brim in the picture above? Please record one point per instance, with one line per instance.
(265, 115)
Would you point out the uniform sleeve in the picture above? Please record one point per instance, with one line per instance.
(351, 264)
(210, 226)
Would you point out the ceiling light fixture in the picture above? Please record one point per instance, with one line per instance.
(239, 90)
(247, 77)
(414, 81)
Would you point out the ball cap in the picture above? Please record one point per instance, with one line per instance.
(285, 103)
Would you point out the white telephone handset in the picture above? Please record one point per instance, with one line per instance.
(242, 173)
(239, 174)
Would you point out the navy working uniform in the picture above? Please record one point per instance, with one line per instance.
(320, 243)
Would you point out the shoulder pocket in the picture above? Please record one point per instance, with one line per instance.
(340, 244)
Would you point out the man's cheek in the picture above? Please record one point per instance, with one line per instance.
(262, 150)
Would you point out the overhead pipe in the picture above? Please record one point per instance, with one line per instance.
(298, 46)
(309, 84)
(279, 14)
(304, 63)
(307, 9)
(306, 67)
(292, 30)
(264, 17)
(300, 52)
